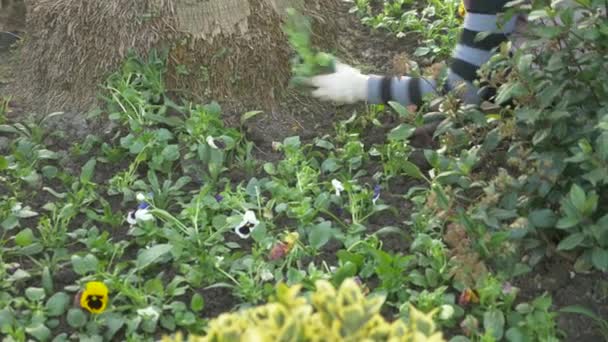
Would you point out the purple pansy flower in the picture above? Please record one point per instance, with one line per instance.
(377, 189)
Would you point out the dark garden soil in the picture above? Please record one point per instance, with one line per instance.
(300, 115)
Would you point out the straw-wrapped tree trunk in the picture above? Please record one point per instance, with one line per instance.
(232, 50)
(12, 21)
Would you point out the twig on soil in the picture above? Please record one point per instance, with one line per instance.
(12, 34)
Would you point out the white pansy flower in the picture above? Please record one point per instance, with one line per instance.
(149, 313)
(211, 142)
(338, 186)
(447, 311)
(141, 214)
(218, 261)
(266, 275)
(247, 225)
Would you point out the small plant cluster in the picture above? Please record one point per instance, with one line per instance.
(436, 24)
(327, 315)
(307, 62)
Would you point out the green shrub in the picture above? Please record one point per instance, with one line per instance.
(559, 147)
(328, 315)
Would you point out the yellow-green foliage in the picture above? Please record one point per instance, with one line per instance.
(329, 315)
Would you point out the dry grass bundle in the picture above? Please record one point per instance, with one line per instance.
(12, 15)
(71, 46)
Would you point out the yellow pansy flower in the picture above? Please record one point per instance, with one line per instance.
(291, 239)
(94, 298)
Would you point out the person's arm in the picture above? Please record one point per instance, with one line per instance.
(348, 85)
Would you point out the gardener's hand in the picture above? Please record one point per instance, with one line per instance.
(345, 85)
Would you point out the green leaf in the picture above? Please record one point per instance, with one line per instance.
(49, 171)
(319, 235)
(543, 218)
(324, 144)
(492, 140)
(330, 165)
(170, 153)
(172, 121)
(155, 286)
(114, 322)
(548, 32)
(432, 277)
(3, 163)
(47, 280)
(418, 279)
(34, 293)
(421, 51)
(348, 270)
(389, 230)
(524, 62)
(571, 242)
(577, 197)
(84, 265)
(411, 169)
(494, 321)
(26, 213)
(6, 318)
(46, 154)
(567, 222)
(39, 331)
(540, 136)
(509, 91)
(400, 109)
(86, 174)
(401, 132)
(76, 318)
(528, 115)
(578, 309)
(270, 169)
(197, 303)
(57, 304)
(259, 234)
(24, 238)
(515, 334)
(249, 115)
(442, 198)
(599, 258)
(152, 254)
(293, 142)
(10, 222)
(601, 142)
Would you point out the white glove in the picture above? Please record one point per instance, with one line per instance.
(346, 85)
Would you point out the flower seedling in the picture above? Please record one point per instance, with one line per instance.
(307, 62)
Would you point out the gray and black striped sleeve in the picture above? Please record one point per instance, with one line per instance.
(467, 57)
